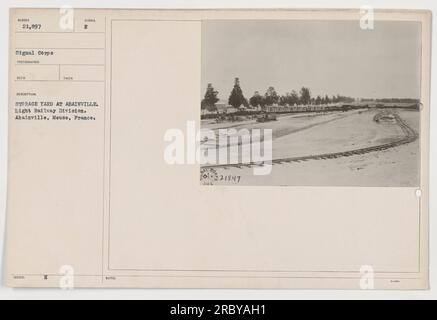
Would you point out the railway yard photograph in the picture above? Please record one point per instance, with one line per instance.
(342, 102)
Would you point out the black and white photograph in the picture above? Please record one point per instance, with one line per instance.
(342, 102)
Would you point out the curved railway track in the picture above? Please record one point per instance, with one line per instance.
(409, 136)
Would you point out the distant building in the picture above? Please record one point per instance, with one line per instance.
(221, 107)
(224, 108)
(231, 109)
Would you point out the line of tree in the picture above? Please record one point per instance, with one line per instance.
(292, 98)
(392, 100)
(271, 97)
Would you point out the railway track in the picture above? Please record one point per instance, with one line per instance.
(409, 136)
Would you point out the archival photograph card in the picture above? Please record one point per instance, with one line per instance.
(265, 149)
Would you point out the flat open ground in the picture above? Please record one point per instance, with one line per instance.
(302, 135)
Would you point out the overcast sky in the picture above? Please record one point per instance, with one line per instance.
(328, 57)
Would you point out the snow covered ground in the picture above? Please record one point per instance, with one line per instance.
(312, 134)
